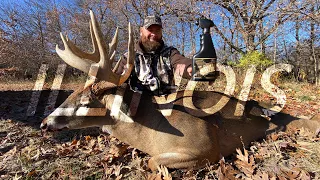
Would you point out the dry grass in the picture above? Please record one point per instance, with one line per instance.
(25, 153)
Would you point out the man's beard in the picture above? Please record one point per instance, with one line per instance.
(150, 46)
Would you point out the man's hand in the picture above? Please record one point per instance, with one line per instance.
(182, 71)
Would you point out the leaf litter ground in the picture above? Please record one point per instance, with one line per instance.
(25, 153)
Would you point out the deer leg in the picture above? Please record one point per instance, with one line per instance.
(173, 160)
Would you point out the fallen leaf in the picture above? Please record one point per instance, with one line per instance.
(242, 157)
(88, 138)
(74, 142)
(245, 162)
(304, 175)
(154, 177)
(101, 139)
(291, 174)
(274, 137)
(164, 173)
(31, 173)
(225, 171)
(119, 177)
(118, 150)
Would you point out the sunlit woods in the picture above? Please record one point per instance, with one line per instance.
(286, 31)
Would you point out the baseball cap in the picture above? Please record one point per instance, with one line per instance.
(151, 20)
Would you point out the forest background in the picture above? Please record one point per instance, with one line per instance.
(262, 32)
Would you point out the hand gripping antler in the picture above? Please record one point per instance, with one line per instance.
(78, 59)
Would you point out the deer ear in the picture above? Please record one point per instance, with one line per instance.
(101, 86)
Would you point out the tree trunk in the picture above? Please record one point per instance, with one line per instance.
(275, 47)
(297, 57)
(183, 38)
(312, 39)
(286, 50)
(193, 41)
(250, 43)
(262, 45)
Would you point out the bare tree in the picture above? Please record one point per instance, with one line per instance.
(247, 15)
(312, 47)
(239, 26)
(306, 48)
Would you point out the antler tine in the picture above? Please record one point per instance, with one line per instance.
(130, 58)
(112, 57)
(93, 56)
(105, 72)
(115, 68)
(94, 43)
(72, 58)
(113, 45)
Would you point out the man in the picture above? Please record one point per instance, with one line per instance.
(155, 62)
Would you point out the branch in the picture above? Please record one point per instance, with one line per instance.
(271, 30)
(267, 6)
(226, 39)
(234, 14)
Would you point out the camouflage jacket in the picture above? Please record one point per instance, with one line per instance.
(154, 71)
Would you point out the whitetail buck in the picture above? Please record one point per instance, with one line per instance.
(179, 140)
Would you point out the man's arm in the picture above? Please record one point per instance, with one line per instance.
(181, 64)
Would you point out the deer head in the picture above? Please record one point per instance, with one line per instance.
(98, 64)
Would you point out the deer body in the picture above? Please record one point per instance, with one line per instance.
(180, 140)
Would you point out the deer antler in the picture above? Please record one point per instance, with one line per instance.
(93, 56)
(76, 58)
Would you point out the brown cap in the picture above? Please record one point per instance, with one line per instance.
(151, 20)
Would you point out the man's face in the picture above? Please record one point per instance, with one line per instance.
(151, 37)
